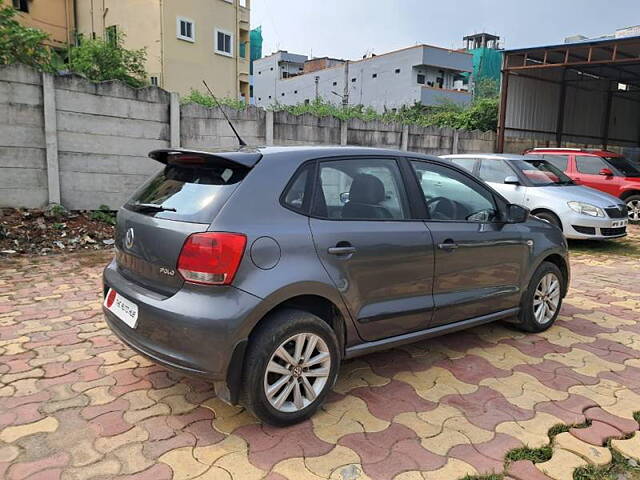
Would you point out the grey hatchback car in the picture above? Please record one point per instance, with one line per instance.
(261, 269)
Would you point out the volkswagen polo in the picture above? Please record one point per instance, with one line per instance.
(261, 269)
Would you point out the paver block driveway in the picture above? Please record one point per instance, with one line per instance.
(76, 404)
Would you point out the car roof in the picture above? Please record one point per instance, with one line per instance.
(250, 156)
(562, 151)
(488, 156)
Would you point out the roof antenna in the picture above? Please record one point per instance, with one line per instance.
(240, 141)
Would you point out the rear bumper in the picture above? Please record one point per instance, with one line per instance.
(195, 331)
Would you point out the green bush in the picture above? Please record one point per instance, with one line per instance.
(20, 44)
(195, 96)
(100, 60)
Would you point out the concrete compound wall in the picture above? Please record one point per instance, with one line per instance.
(66, 140)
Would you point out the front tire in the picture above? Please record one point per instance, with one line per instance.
(542, 301)
(549, 217)
(291, 365)
(633, 208)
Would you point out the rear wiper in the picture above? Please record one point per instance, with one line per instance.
(153, 206)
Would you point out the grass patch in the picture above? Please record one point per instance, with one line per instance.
(536, 455)
(557, 430)
(618, 469)
(636, 416)
(625, 247)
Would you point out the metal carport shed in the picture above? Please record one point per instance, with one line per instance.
(585, 93)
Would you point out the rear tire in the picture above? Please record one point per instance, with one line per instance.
(542, 301)
(291, 364)
(552, 218)
(633, 207)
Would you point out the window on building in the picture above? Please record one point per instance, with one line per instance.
(186, 29)
(306, 101)
(229, 1)
(397, 70)
(375, 75)
(353, 80)
(242, 49)
(111, 35)
(421, 79)
(224, 43)
(295, 91)
(335, 84)
(259, 99)
(243, 3)
(282, 94)
(21, 5)
(269, 97)
(154, 81)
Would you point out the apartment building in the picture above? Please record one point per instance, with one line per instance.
(56, 17)
(187, 41)
(424, 74)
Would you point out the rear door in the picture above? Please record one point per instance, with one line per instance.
(379, 259)
(494, 171)
(183, 198)
(479, 260)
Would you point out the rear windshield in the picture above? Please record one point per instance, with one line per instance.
(188, 190)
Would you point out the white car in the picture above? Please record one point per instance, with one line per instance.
(581, 212)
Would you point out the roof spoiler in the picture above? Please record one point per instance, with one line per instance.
(245, 157)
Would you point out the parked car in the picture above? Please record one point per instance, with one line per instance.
(606, 171)
(251, 268)
(580, 212)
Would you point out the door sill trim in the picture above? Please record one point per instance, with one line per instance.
(370, 347)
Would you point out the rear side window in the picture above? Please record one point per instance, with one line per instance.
(466, 163)
(188, 189)
(590, 165)
(297, 196)
(559, 161)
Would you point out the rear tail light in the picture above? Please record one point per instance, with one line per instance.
(211, 258)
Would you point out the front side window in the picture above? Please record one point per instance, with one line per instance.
(186, 29)
(360, 189)
(450, 196)
(494, 171)
(590, 165)
(224, 43)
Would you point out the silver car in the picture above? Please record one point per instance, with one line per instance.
(580, 212)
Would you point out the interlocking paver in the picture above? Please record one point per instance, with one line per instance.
(75, 403)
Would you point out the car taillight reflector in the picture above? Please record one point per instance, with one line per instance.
(211, 258)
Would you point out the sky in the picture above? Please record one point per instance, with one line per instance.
(352, 28)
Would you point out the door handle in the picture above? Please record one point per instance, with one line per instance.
(448, 245)
(343, 250)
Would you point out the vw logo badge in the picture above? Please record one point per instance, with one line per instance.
(129, 238)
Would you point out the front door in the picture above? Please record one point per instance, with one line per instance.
(588, 170)
(479, 260)
(494, 171)
(381, 262)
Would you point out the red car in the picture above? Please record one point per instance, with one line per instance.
(607, 171)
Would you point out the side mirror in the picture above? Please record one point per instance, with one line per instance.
(606, 172)
(511, 180)
(516, 213)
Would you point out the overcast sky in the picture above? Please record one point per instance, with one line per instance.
(351, 28)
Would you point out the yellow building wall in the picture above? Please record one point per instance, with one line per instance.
(180, 65)
(53, 16)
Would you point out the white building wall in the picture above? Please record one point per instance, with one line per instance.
(383, 82)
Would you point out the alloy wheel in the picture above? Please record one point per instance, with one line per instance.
(297, 372)
(546, 298)
(633, 207)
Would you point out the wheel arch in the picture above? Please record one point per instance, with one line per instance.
(629, 193)
(538, 210)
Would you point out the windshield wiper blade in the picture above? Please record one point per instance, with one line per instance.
(153, 206)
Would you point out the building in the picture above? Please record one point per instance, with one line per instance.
(187, 41)
(487, 57)
(55, 17)
(581, 93)
(423, 74)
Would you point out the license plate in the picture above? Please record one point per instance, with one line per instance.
(621, 223)
(124, 309)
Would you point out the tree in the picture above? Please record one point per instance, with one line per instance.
(101, 60)
(20, 44)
